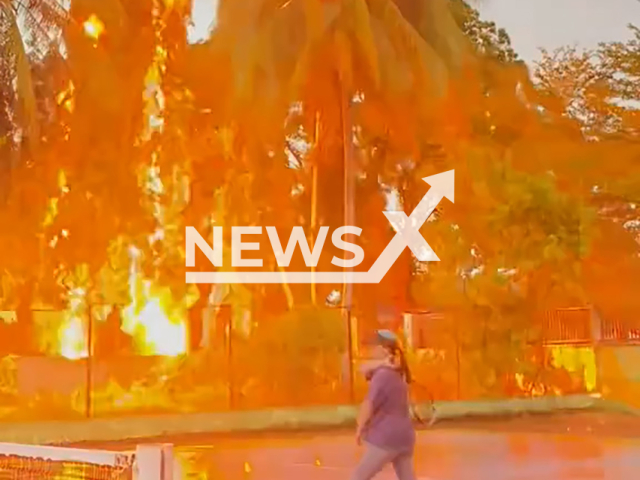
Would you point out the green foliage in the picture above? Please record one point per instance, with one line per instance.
(598, 88)
(309, 331)
(486, 36)
(291, 357)
(534, 218)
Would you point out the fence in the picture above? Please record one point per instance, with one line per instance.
(306, 358)
(620, 331)
(568, 326)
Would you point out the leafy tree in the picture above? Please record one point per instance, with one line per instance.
(320, 68)
(292, 355)
(100, 157)
(486, 36)
(597, 88)
(592, 94)
(29, 67)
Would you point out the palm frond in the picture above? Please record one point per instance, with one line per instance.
(358, 12)
(15, 64)
(43, 20)
(27, 32)
(442, 32)
(427, 65)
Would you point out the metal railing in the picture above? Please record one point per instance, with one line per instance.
(568, 326)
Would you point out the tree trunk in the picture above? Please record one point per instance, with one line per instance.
(349, 184)
(314, 208)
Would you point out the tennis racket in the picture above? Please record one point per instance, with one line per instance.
(433, 414)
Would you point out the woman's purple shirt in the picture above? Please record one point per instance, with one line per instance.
(390, 426)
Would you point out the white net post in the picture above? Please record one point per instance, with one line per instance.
(154, 462)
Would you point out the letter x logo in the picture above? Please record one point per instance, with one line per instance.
(408, 228)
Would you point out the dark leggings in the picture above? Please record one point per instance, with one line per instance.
(375, 459)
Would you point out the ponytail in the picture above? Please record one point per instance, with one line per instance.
(398, 353)
(404, 367)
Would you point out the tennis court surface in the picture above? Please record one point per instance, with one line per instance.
(562, 447)
(473, 453)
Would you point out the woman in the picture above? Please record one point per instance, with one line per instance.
(384, 421)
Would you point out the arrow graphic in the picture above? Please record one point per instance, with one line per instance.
(408, 228)
(407, 235)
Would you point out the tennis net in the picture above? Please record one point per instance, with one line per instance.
(34, 462)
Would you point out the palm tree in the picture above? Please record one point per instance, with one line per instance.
(272, 54)
(28, 30)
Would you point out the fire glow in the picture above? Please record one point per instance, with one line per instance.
(152, 318)
(93, 27)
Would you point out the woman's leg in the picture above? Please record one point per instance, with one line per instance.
(372, 463)
(403, 466)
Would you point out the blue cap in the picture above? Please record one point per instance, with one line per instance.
(385, 338)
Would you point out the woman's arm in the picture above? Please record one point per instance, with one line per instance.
(364, 415)
(371, 402)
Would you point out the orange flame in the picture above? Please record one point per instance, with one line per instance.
(153, 318)
(72, 338)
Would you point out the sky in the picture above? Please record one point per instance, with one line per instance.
(531, 24)
(203, 13)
